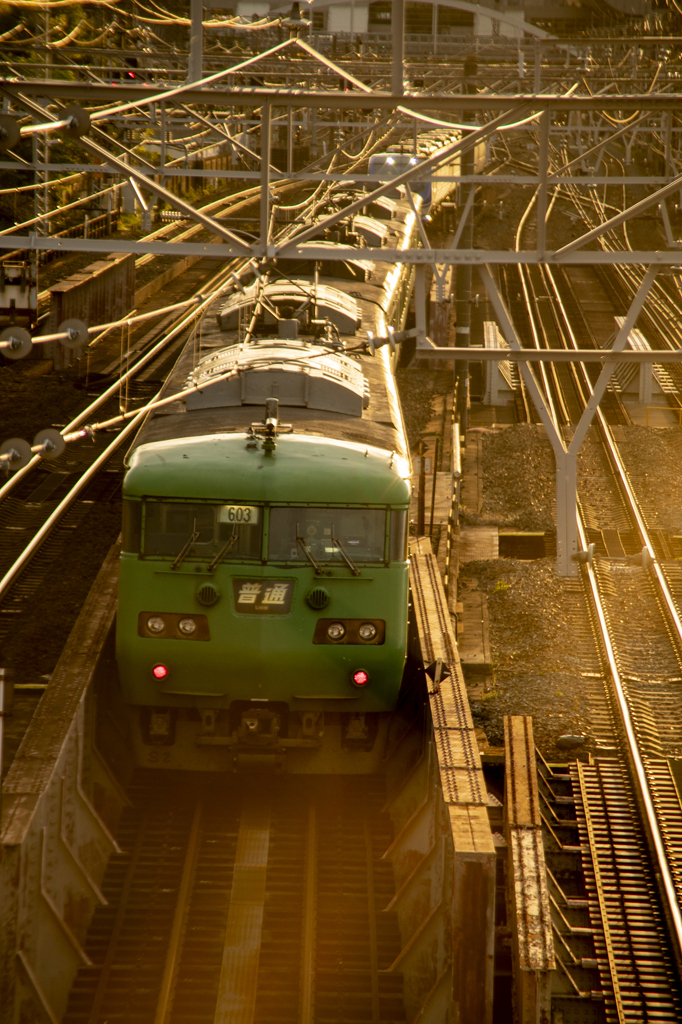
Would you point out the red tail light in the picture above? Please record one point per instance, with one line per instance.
(361, 678)
(159, 671)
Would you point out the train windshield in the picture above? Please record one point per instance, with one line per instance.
(327, 534)
(231, 531)
(390, 165)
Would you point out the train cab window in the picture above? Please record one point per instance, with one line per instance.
(231, 531)
(132, 526)
(327, 534)
(398, 547)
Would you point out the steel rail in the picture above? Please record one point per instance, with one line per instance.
(371, 912)
(527, 287)
(667, 883)
(307, 1000)
(165, 1001)
(624, 480)
(665, 875)
(658, 311)
(121, 910)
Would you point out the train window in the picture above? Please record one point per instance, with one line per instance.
(398, 548)
(132, 525)
(327, 534)
(233, 531)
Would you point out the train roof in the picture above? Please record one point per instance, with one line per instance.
(303, 469)
(327, 382)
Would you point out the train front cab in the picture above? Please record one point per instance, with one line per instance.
(278, 635)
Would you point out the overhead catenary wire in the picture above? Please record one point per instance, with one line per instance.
(44, 531)
(61, 209)
(142, 361)
(126, 320)
(158, 97)
(87, 431)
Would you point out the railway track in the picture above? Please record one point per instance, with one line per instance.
(628, 811)
(260, 902)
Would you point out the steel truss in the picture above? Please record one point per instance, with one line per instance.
(561, 121)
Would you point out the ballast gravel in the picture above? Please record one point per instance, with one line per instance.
(518, 478)
(653, 459)
(543, 659)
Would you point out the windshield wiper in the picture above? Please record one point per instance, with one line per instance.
(187, 547)
(336, 543)
(306, 550)
(226, 548)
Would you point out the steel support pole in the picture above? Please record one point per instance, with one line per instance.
(105, 157)
(667, 130)
(3, 698)
(420, 303)
(566, 513)
(537, 68)
(566, 458)
(265, 146)
(196, 41)
(543, 167)
(398, 41)
(290, 140)
(564, 482)
(463, 290)
(164, 135)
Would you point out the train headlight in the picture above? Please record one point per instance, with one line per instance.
(367, 631)
(336, 631)
(155, 624)
(361, 677)
(187, 626)
(159, 672)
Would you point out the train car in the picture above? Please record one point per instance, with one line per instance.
(263, 576)
(433, 192)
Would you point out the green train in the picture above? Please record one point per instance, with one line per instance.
(263, 592)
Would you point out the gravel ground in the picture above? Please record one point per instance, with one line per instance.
(29, 402)
(417, 388)
(543, 659)
(518, 479)
(538, 659)
(653, 458)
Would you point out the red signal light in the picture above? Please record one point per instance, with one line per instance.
(361, 678)
(159, 671)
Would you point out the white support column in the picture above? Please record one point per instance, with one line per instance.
(164, 139)
(565, 458)
(537, 68)
(646, 378)
(667, 126)
(290, 140)
(543, 166)
(566, 513)
(398, 41)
